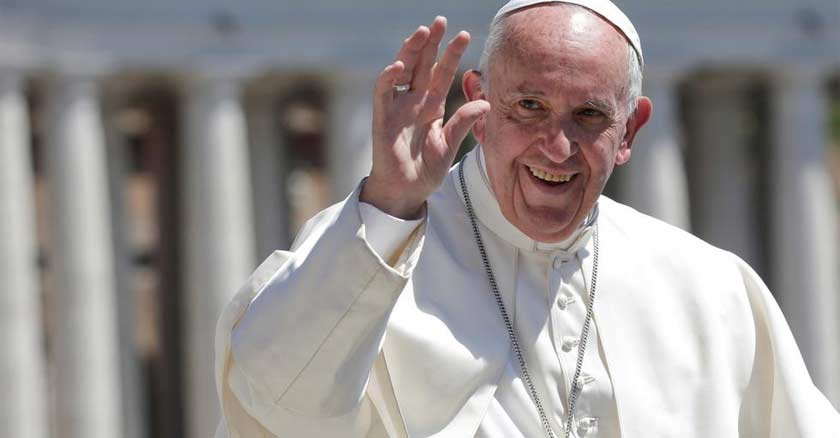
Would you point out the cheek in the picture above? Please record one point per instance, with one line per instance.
(499, 165)
(505, 143)
(602, 164)
(609, 149)
(513, 138)
(599, 157)
(506, 151)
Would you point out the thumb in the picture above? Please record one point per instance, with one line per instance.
(460, 123)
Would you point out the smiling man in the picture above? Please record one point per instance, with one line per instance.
(505, 296)
(563, 114)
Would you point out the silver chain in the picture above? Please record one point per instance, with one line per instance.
(512, 335)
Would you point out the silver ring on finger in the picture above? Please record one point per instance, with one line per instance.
(402, 88)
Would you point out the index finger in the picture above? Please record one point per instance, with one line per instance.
(444, 72)
(410, 52)
(429, 53)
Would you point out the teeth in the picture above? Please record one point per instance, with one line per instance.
(550, 177)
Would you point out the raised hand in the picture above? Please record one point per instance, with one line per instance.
(412, 148)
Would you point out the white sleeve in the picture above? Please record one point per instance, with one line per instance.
(295, 348)
(385, 233)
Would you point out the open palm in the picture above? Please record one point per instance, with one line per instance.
(412, 147)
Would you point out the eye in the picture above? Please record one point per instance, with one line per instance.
(590, 113)
(530, 104)
(591, 117)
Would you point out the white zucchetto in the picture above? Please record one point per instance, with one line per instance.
(605, 8)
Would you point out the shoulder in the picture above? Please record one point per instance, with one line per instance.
(647, 231)
(671, 246)
(660, 263)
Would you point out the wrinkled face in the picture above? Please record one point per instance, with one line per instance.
(558, 123)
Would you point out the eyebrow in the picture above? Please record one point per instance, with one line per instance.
(601, 106)
(534, 92)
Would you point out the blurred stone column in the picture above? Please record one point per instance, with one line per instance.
(81, 261)
(218, 228)
(805, 225)
(134, 395)
(22, 362)
(349, 136)
(269, 175)
(724, 172)
(654, 181)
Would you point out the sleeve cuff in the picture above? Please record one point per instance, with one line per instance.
(385, 233)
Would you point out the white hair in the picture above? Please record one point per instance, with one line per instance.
(496, 35)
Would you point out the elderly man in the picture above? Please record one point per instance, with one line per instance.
(506, 296)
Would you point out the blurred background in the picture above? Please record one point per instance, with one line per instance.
(152, 153)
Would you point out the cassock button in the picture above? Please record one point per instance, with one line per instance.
(585, 379)
(564, 301)
(569, 343)
(588, 426)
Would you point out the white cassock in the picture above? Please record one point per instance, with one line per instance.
(334, 340)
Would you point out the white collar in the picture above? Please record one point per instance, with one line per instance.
(490, 215)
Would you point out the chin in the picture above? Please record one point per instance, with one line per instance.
(547, 225)
(549, 236)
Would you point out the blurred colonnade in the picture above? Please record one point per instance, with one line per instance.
(137, 204)
(152, 154)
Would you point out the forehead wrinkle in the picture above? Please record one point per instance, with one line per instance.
(527, 89)
(547, 87)
(553, 77)
(552, 49)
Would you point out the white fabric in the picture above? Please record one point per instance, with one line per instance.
(605, 8)
(549, 307)
(692, 341)
(550, 286)
(384, 232)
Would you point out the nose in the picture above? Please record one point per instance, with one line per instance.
(558, 145)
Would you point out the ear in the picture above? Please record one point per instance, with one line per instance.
(644, 108)
(471, 86)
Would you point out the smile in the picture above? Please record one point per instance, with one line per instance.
(550, 177)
